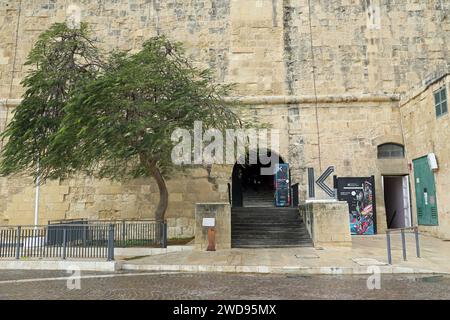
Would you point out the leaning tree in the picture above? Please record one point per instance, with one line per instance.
(118, 122)
(62, 59)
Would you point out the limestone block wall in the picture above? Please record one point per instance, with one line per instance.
(86, 197)
(349, 134)
(202, 25)
(361, 52)
(424, 134)
(350, 130)
(367, 46)
(266, 47)
(256, 60)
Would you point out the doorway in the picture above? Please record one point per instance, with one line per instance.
(397, 201)
(252, 189)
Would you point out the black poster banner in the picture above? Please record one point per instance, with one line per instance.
(360, 195)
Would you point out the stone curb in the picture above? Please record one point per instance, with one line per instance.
(136, 252)
(102, 266)
(112, 266)
(278, 270)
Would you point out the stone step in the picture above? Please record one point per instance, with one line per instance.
(273, 210)
(267, 219)
(271, 239)
(257, 214)
(262, 197)
(250, 246)
(265, 209)
(255, 227)
(261, 205)
(285, 221)
(268, 244)
(259, 210)
(259, 229)
(275, 223)
(266, 216)
(270, 231)
(267, 231)
(274, 235)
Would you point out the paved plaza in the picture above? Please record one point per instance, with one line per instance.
(366, 252)
(38, 285)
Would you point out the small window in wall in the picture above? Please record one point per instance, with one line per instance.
(391, 150)
(440, 102)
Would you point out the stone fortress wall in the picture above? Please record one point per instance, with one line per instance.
(425, 133)
(343, 63)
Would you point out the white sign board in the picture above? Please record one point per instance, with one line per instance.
(209, 222)
(432, 162)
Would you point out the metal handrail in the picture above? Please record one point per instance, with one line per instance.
(402, 231)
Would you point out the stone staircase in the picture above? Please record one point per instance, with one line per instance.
(261, 199)
(257, 227)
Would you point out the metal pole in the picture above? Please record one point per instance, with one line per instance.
(403, 244)
(164, 235)
(18, 243)
(64, 243)
(123, 233)
(388, 239)
(111, 243)
(36, 199)
(161, 233)
(416, 233)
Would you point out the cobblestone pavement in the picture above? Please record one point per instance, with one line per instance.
(178, 286)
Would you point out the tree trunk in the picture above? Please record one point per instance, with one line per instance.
(163, 195)
(153, 171)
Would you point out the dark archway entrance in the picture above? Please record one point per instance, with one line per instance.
(256, 222)
(252, 189)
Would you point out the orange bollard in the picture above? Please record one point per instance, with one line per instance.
(211, 239)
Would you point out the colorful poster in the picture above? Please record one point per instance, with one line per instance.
(282, 186)
(360, 195)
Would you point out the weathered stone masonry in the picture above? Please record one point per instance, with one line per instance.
(358, 56)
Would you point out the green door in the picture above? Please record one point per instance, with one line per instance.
(427, 213)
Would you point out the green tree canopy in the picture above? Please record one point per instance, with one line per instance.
(61, 60)
(114, 119)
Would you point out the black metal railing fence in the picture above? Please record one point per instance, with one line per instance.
(80, 238)
(128, 232)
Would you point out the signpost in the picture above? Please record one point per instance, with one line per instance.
(321, 182)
